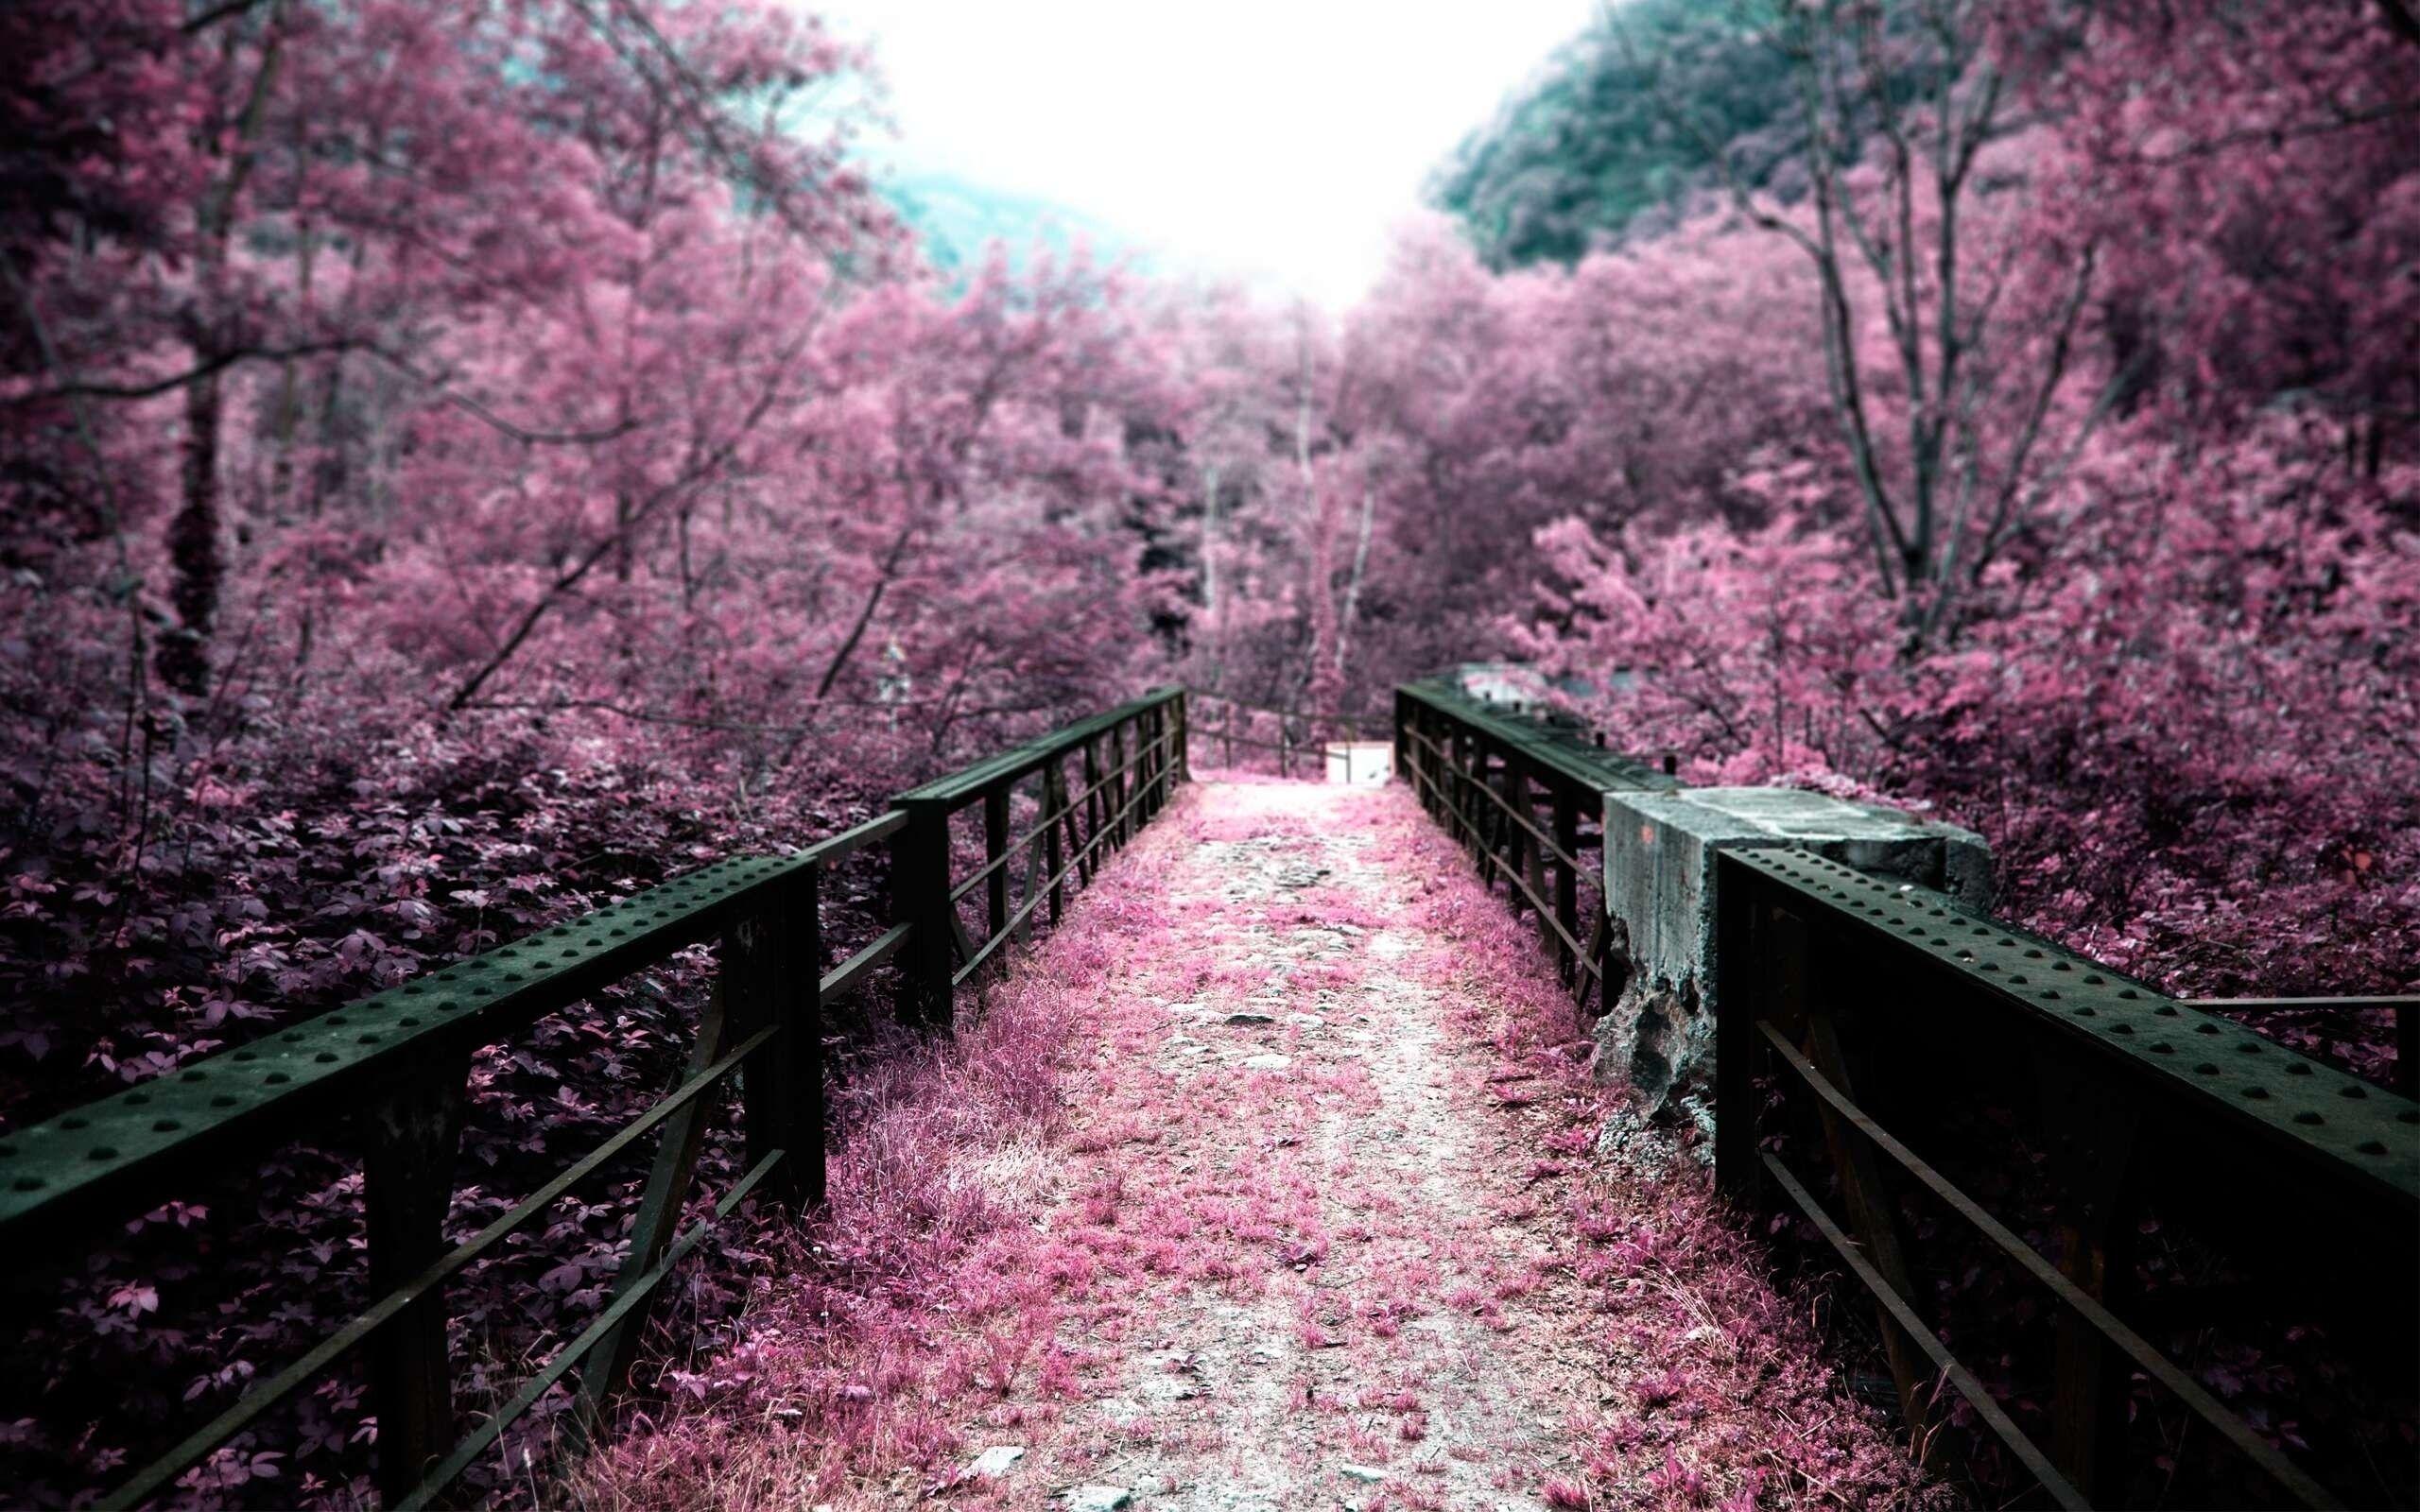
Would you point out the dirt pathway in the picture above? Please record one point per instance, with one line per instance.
(1322, 1214)
(1359, 1302)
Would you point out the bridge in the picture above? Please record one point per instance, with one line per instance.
(1901, 1090)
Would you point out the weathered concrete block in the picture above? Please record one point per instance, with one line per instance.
(1659, 886)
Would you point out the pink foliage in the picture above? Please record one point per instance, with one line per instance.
(461, 463)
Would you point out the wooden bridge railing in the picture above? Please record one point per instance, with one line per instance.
(1294, 741)
(393, 1069)
(1862, 1022)
(1484, 773)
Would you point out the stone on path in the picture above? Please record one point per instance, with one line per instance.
(1098, 1499)
(1251, 1018)
(995, 1462)
(1265, 1062)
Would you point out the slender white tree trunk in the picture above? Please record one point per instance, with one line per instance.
(1360, 569)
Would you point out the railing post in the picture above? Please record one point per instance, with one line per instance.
(2092, 1137)
(1054, 818)
(1403, 740)
(1566, 879)
(1433, 795)
(1474, 807)
(1119, 818)
(1454, 754)
(1743, 973)
(920, 899)
(1422, 729)
(412, 1128)
(1156, 723)
(1874, 1220)
(1090, 849)
(1150, 759)
(1520, 847)
(771, 961)
(995, 852)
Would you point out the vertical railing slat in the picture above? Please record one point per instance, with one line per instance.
(1054, 821)
(920, 899)
(413, 1129)
(995, 850)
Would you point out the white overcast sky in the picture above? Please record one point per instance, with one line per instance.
(1275, 141)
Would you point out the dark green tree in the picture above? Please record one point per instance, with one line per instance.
(1590, 145)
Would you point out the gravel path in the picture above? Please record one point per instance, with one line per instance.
(1359, 1301)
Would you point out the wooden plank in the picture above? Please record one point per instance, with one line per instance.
(1056, 816)
(771, 979)
(1566, 879)
(920, 899)
(2092, 1153)
(995, 849)
(412, 1128)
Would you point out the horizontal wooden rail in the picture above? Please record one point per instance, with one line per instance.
(1018, 842)
(1108, 830)
(1483, 771)
(1545, 910)
(1300, 733)
(2145, 1357)
(2146, 1103)
(1961, 1380)
(2405, 1010)
(1528, 822)
(392, 1068)
(1307, 715)
(960, 787)
(267, 1393)
(1283, 748)
(1130, 758)
(1559, 755)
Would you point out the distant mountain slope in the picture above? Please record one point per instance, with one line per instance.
(957, 218)
(1587, 146)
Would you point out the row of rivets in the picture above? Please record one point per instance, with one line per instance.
(1867, 897)
(593, 932)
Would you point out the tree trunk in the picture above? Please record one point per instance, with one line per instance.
(198, 565)
(1210, 568)
(1361, 570)
(194, 556)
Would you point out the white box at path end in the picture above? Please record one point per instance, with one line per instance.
(1360, 763)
